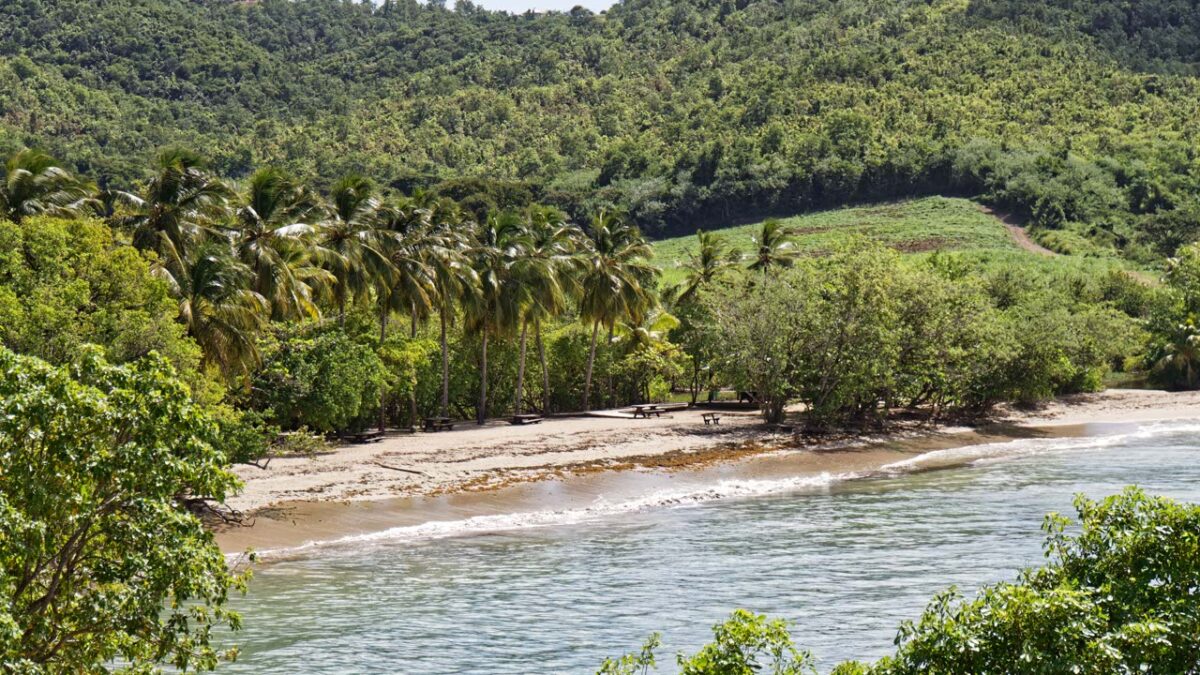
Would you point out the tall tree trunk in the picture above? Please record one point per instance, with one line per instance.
(382, 390)
(587, 383)
(412, 405)
(695, 379)
(612, 384)
(520, 402)
(445, 368)
(414, 322)
(342, 310)
(481, 412)
(541, 347)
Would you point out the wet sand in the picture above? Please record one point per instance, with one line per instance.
(563, 464)
(299, 527)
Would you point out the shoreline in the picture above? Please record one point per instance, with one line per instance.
(565, 464)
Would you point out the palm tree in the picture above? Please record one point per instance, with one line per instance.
(274, 237)
(406, 237)
(612, 281)
(547, 271)
(648, 331)
(220, 311)
(713, 258)
(774, 246)
(496, 309)
(181, 204)
(35, 184)
(456, 282)
(357, 253)
(1178, 357)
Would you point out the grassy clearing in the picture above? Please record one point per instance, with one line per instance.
(919, 226)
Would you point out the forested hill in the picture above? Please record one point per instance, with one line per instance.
(1079, 115)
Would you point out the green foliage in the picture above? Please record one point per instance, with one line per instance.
(914, 226)
(326, 381)
(1118, 595)
(66, 283)
(863, 331)
(102, 565)
(683, 114)
(410, 374)
(1174, 354)
(745, 644)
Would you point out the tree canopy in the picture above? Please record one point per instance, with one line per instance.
(102, 562)
(1077, 116)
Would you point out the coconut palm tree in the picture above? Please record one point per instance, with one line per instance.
(548, 271)
(647, 331)
(274, 236)
(456, 282)
(357, 255)
(181, 204)
(406, 236)
(712, 258)
(496, 309)
(219, 309)
(612, 281)
(35, 184)
(775, 246)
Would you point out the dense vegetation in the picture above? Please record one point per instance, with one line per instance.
(1117, 597)
(1076, 116)
(497, 263)
(102, 564)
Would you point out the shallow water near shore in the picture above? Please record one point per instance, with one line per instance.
(561, 575)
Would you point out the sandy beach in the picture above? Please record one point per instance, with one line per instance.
(473, 470)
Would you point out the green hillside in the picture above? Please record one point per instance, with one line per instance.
(1078, 117)
(917, 226)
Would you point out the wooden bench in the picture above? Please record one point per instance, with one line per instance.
(646, 410)
(522, 420)
(711, 418)
(436, 424)
(365, 437)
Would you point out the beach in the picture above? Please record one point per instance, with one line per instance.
(473, 471)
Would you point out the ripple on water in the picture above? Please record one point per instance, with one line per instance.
(557, 592)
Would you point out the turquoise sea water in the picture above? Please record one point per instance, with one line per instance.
(844, 558)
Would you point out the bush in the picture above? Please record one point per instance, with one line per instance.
(326, 382)
(101, 560)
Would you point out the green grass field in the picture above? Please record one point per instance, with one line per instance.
(918, 226)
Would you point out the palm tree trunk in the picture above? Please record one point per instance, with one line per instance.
(445, 368)
(519, 404)
(342, 310)
(412, 406)
(414, 322)
(383, 389)
(481, 412)
(587, 383)
(612, 385)
(541, 347)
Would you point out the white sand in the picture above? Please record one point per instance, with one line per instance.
(417, 464)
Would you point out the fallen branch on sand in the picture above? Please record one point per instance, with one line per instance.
(400, 469)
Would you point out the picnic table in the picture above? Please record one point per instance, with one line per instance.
(435, 424)
(365, 437)
(521, 420)
(646, 410)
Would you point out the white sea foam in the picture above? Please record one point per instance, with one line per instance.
(599, 509)
(735, 489)
(974, 455)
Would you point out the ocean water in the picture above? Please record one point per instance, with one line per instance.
(844, 557)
